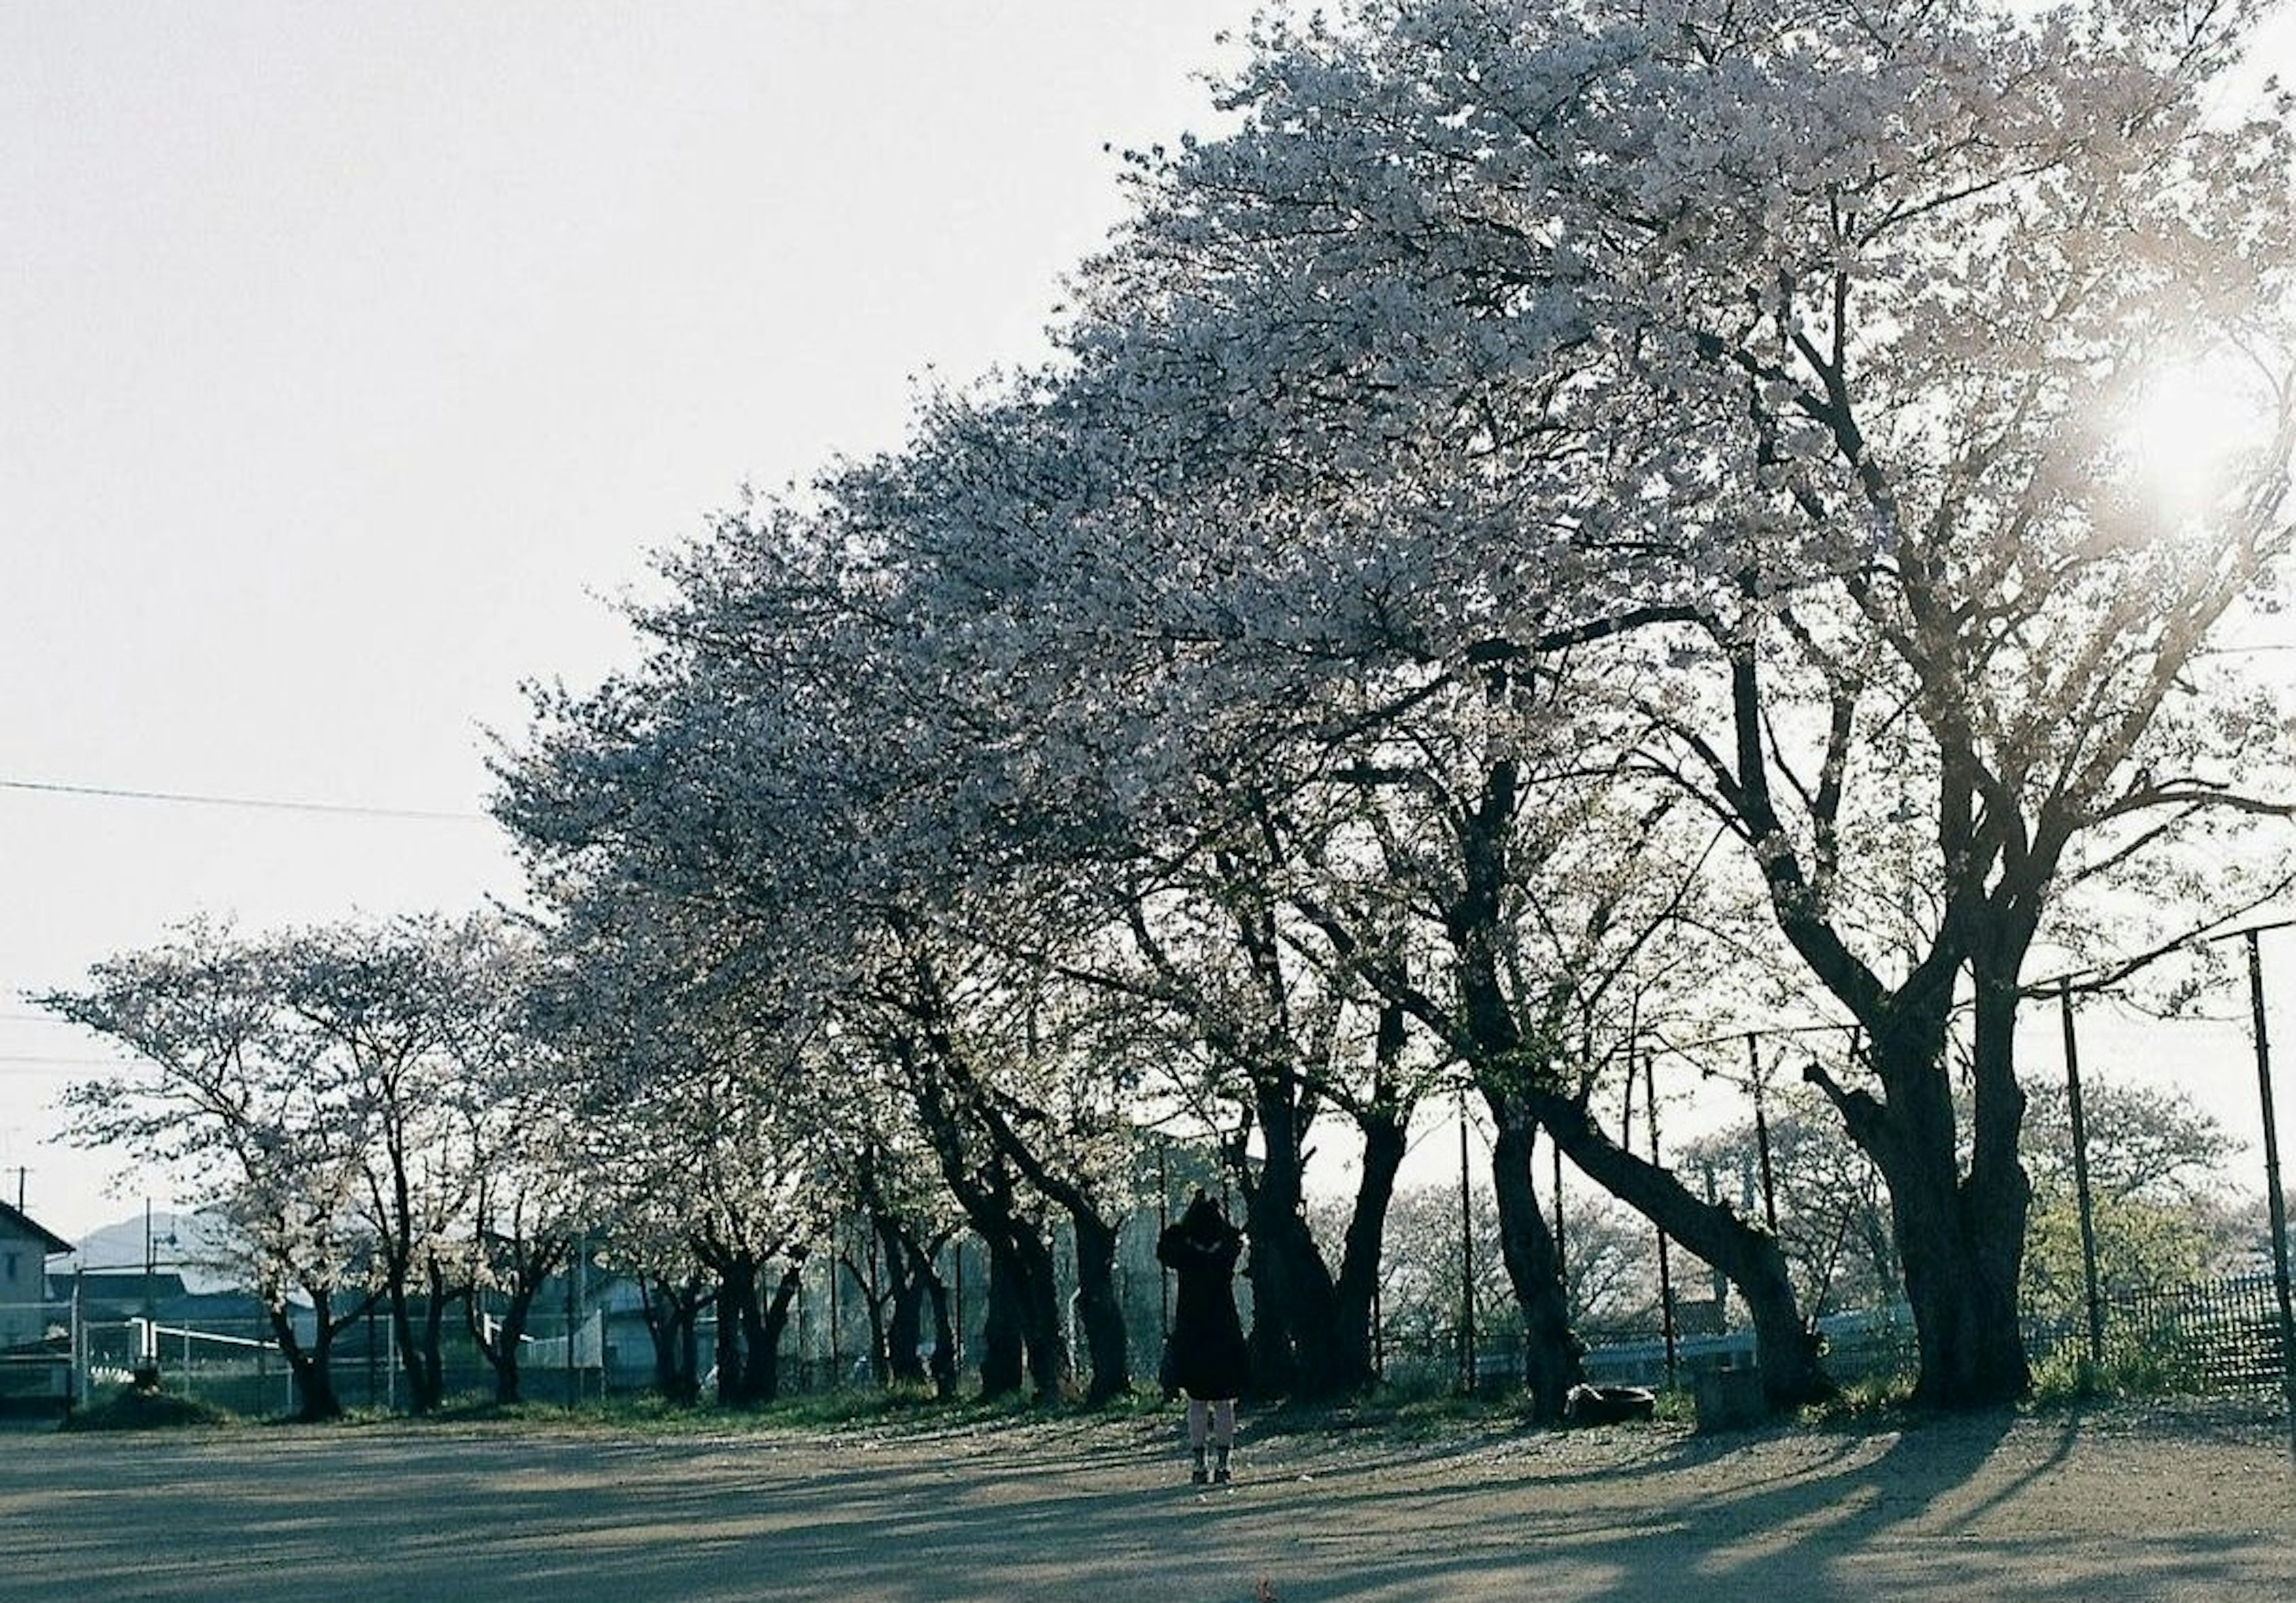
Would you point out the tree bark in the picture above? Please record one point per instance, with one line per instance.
(1100, 1312)
(1960, 1239)
(1004, 1347)
(1748, 1255)
(313, 1367)
(673, 1319)
(904, 1269)
(765, 1376)
(1551, 1353)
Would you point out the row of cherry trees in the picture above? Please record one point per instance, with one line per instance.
(357, 1106)
(1550, 482)
(1565, 519)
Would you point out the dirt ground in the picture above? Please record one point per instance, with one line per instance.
(2112, 1503)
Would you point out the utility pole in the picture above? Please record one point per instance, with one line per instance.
(1466, 1263)
(1163, 1223)
(1665, 1274)
(2081, 1193)
(2274, 1197)
(1761, 1132)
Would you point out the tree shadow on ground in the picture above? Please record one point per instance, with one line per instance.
(1022, 1515)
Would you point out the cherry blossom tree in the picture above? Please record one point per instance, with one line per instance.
(408, 1018)
(265, 1137)
(1796, 335)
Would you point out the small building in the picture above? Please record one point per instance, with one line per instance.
(33, 1363)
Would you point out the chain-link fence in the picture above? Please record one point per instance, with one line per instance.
(2218, 1338)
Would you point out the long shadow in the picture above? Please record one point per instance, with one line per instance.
(1021, 1517)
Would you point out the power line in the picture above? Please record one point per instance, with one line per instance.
(262, 804)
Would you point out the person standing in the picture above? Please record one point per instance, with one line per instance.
(1208, 1359)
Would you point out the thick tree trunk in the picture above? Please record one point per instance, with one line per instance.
(1474, 923)
(739, 1319)
(1343, 1358)
(1274, 1372)
(1041, 1327)
(1746, 1254)
(1310, 1335)
(501, 1350)
(418, 1361)
(760, 1360)
(942, 1364)
(1534, 1267)
(1961, 1239)
(1004, 1347)
(903, 1363)
(432, 1334)
(1291, 1289)
(1023, 1320)
(1099, 1310)
(673, 1316)
(918, 1288)
(765, 1376)
(313, 1367)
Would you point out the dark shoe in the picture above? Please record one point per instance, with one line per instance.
(1198, 1475)
(1220, 1475)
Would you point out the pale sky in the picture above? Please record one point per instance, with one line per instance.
(349, 356)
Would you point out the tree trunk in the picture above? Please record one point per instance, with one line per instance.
(1002, 1345)
(1345, 1357)
(313, 1367)
(765, 1369)
(1291, 1289)
(673, 1315)
(1748, 1255)
(1961, 1240)
(433, 1329)
(942, 1364)
(1100, 1312)
(905, 1266)
(737, 1315)
(1041, 1330)
(423, 1385)
(760, 1361)
(1297, 1347)
(501, 1350)
(1023, 1321)
(1534, 1268)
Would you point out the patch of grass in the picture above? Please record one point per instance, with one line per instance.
(2067, 1377)
(132, 1408)
(1874, 1402)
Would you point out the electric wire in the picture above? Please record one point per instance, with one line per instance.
(256, 803)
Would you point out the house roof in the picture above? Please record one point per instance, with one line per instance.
(123, 1285)
(15, 1221)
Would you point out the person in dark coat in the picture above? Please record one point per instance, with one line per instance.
(1207, 1358)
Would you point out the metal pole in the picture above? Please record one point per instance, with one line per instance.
(2277, 1201)
(1665, 1275)
(1466, 1263)
(1163, 1223)
(836, 1330)
(2081, 1193)
(1762, 1133)
(570, 1335)
(1562, 1256)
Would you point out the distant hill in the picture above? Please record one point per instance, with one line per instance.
(185, 1243)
